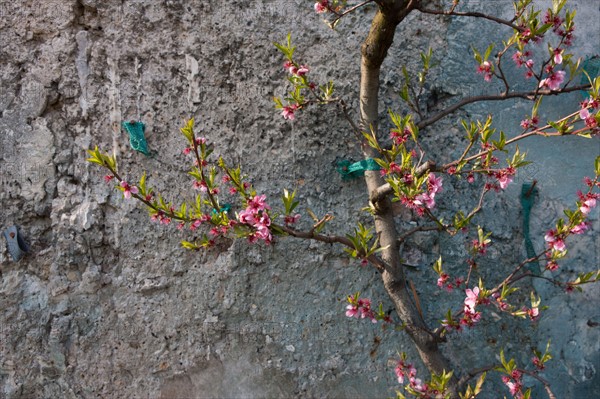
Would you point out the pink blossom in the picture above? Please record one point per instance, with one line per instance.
(517, 58)
(108, 178)
(553, 81)
(533, 313)
(552, 266)
(200, 185)
(559, 245)
(303, 70)
(471, 299)
(558, 59)
(187, 150)
(580, 228)
(485, 68)
(352, 311)
(165, 220)
(425, 199)
(442, 280)
(288, 112)
(587, 205)
(195, 224)
(289, 219)
(504, 181)
(537, 363)
(128, 190)
(555, 242)
(584, 113)
(399, 138)
(360, 308)
(434, 184)
(258, 203)
(256, 215)
(321, 6)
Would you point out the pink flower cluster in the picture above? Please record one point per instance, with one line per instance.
(360, 308)
(586, 115)
(161, 217)
(588, 202)
(425, 200)
(470, 315)
(557, 21)
(522, 59)
(538, 363)
(444, 282)
(479, 247)
(407, 370)
(485, 68)
(256, 215)
(199, 140)
(295, 70)
(530, 123)
(555, 241)
(400, 138)
(514, 384)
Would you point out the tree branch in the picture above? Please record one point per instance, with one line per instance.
(529, 95)
(471, 14)
(311, 235)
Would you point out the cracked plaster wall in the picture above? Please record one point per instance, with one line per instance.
(109, 306)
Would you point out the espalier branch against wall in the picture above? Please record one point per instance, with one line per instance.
(399, 169)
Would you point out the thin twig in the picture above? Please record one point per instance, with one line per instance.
(348, 11)
(405, 235)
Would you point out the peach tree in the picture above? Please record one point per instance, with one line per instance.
(400, 170)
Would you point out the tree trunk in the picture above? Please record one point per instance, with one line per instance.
(374, 50)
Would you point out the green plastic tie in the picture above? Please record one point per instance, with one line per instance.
(528, 193)
(350, 170)
(137, 140)
(591, 65)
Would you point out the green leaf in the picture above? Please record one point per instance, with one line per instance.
(488, 51)
(189, 245)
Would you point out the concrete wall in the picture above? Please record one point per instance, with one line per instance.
(107, 305)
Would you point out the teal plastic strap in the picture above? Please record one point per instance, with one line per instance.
(591, 65)
(224, 208)
(350, 170)
(528, 192)
(137, 140)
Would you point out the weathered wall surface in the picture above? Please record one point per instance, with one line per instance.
(107, 305)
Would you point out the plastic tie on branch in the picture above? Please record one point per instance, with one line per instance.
(224, 208)
(350, 170)
(591, 65)
(17, 247)
(528, 193)
(137, 139)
